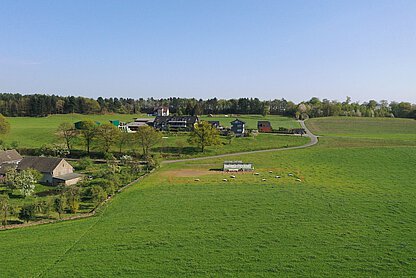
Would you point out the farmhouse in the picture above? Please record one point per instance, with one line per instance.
(54, 170)
(175, 123)
(237, 166)
(238, 127)
(264, 126)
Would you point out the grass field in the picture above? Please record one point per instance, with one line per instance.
(352, 214)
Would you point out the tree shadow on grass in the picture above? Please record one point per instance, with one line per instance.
(178, 150)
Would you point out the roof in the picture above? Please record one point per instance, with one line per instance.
(188, 119)
(144, 120)
(237, 120)
(9, 156)
(41, 164)
(138, 124)
(236, 162)
(69, 176)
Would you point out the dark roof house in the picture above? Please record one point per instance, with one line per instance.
(238, 127)
(175, 123)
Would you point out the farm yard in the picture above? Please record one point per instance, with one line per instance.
(351, 214)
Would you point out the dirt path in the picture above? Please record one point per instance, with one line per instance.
(314, 141)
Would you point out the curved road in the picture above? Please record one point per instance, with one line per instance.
(314, 141)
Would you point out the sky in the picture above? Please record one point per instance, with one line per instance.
(226, 49)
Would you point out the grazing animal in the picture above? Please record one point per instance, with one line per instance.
(270, 172)
(232, 176)
(298, 179)
(256, 174)
(224, 179)
(197, 179)
(277, 177)
(290, 175)
(263, 179)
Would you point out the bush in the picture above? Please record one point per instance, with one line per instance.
(84, 163)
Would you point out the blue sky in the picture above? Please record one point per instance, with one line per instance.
(203, 49)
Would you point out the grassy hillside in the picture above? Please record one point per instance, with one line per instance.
(352, 214)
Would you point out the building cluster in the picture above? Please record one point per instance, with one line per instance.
(55, 171)
(164, 121)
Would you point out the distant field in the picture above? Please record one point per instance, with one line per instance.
(352, 215)
(376, 128)
(34, 132)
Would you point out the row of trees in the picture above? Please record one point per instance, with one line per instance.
(42, 105)
(106, 136)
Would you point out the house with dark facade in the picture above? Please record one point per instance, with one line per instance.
(54, 170)
(175, 123)
(264, 126)
(238, 127)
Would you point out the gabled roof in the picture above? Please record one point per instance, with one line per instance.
(9, 156)
(41, 164)
(238, 121)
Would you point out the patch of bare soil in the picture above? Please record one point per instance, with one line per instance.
(190, 173)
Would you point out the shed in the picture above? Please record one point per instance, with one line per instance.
(237, 166)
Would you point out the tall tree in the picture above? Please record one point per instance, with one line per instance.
(5, 208)
(4, 125)
(107, 135)
(88, 131)
(147, 137)
(68, 133)
(203, 135)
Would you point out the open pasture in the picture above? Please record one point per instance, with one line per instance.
(352, 214)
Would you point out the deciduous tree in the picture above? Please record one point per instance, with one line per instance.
(107, 136)
(203, 135)
(147, 137)
(68, 133)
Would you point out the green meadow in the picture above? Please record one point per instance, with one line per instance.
(351, 214)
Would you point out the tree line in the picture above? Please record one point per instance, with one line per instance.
(38, 105)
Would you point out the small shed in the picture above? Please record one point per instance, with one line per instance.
(264, 126)
(237, 166)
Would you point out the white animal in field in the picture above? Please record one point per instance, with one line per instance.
(197, 179)
(232, 176)
(298, 180)
(277, 177)
(290, 175)
(263, 179)
(270, 172)
(256, 174)
(224, 179)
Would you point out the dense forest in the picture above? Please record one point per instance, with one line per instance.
(38, 105)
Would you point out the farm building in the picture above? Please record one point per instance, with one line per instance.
(264, 126)
(162, 111)
(9, 159)
(237, 166)
(54, 170)
(134, 126)
(175, 123)
(238, 127)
